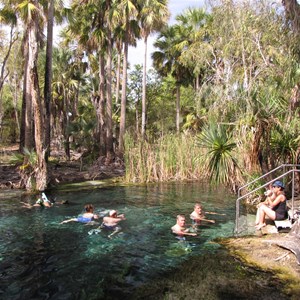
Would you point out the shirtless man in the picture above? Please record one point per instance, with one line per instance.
(179, 228)
(111, 222)
(198, 215)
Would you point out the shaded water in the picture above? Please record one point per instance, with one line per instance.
(42, 259)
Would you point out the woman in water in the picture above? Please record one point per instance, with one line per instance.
(87, 217)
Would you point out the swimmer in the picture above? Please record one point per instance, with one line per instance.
(41, 202)
(87, 217)
(179, 228)
(111, 222)
(198, 215)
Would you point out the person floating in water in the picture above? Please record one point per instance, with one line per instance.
(179, 228)
(87, 217)
(111, 222)
(198, 215)
(43, 201)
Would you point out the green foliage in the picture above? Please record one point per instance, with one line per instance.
(285, 142)
(237, 65)
(219, 159)
(27, 160)
(171, 157)
(160, 105)
(249, 177)
(83, 127)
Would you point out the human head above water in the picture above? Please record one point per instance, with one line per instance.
(89, 208)
(198, 205)
(113, 213)
(279, 184)
(180, 220)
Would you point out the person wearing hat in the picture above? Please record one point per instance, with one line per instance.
(111, 222)
(274, 207)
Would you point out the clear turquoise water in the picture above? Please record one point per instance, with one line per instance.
(42, 259)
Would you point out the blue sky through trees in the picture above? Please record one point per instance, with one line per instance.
(176, 7)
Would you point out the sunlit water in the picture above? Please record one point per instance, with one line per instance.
(43, 259)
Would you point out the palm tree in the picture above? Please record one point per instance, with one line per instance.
(48, 76)
(167, 61)
(89, 30)
(32, 14)
(109, 128)
(50, 9)
(193, 25)
(154, 16)
(128, 11)
(7, 17)
(66, 79)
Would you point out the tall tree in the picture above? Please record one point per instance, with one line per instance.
(7, 17)
(167, 61)
(193, 23)
(33, 16)
(88, 29)
(128, 12)
(48, 76)
(154, 16)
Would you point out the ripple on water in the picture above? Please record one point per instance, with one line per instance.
(43, 259)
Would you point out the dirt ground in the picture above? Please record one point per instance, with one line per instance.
(262, 252)
(61, 171)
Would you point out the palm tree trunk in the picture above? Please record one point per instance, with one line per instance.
(48, 78)
(23, 110)
(124, 86)
(28, 130)
(144, 91)
(15, 93)
(109, 139)
(41, 174)
(118, 78)
(177, 108)
(101, 110)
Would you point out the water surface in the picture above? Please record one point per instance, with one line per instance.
(43, 259)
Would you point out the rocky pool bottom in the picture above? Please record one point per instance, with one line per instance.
(211, 276)
(43, 259)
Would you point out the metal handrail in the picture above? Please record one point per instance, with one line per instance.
(264, 185)
(263, 176)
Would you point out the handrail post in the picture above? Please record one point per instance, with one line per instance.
(293, 192)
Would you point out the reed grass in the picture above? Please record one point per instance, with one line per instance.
(171, 157)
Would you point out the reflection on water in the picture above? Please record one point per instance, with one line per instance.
(42, 259)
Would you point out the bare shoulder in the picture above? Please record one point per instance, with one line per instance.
(193, 214)
(174, 228)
